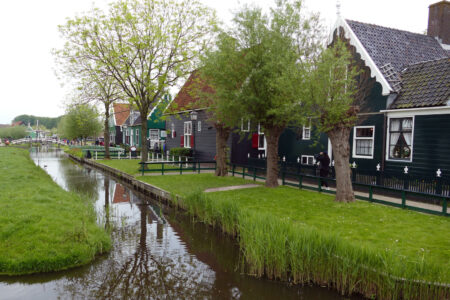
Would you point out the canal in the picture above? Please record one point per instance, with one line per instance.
(158, 253)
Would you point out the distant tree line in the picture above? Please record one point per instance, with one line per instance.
(45, 121)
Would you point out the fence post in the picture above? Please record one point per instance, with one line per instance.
(95, 155)
(198, 169)
(181, 168)
(254, 173)
(438, 185)
(444, 206)
(243, 172)
(142, 166)
(320, 184)
(130, 154)
(403, 198)
(162, 168)
(232, 169)
(300, 179)
(370, 193)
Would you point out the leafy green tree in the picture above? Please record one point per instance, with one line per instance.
(80, 121)
(13, 132)
(222, 71)
(268, 57)
(333, 94)
(145, 45)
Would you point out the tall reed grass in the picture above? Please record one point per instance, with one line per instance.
(281, 249)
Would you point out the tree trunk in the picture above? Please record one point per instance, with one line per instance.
(106, 131)
(222, 134)
(339, 138)
(272, 136)
(144, 149)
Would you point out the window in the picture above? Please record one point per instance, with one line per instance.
(153, 134)
(306, 134)
(363, 141)
(261, 139)
(245, 126)
(172, 130)
(187, 134)
(199, 125)
(307, 160)
(400, 138)
(137, 136)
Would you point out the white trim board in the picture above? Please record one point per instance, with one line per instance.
(421, 111)
(354, 41)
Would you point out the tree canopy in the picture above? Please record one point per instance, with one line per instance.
(49, 123)
(145, 45)
(260, 70)
(80, 121)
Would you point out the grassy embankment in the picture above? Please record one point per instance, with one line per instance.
(305, 236)
(43, 228)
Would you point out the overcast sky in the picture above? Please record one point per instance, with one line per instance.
(28, 32)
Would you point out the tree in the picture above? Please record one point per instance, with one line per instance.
(145, 45)
(80, 121)
(13, 132)
(221, 70)
(333, 93)
(266, 57)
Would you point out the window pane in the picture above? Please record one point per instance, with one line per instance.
(364, 147)
(261, 141)
(407, 124)
(395, 125)
(364, 132)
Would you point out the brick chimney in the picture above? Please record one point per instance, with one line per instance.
(439, 21)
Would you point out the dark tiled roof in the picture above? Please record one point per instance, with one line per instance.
(425, 84)
(393, 49)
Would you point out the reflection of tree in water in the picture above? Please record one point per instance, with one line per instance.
(80, 180)
(143, 274)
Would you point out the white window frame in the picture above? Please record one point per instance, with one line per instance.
(187, 134)
(265, 141)
(388, 136)
(354, 155)
(307, 157)
(248, 126)
(306, 129)
(199, 126)
(172, 130)
(150, 134)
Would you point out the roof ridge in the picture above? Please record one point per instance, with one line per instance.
(425, 61)
(390, 28)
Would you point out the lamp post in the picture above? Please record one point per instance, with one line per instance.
(194, 116)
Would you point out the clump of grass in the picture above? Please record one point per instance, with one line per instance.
(77, 152)
(43, 228)
(279, 249)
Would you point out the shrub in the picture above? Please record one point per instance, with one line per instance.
(180, 151)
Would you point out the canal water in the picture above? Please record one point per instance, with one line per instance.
(158, 253)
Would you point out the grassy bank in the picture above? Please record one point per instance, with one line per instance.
(43, 228)
(305, 236)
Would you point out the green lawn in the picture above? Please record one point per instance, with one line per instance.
(42, 227)
(185, 185)
(130, 166)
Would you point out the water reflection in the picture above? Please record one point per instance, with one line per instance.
(157, 253)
